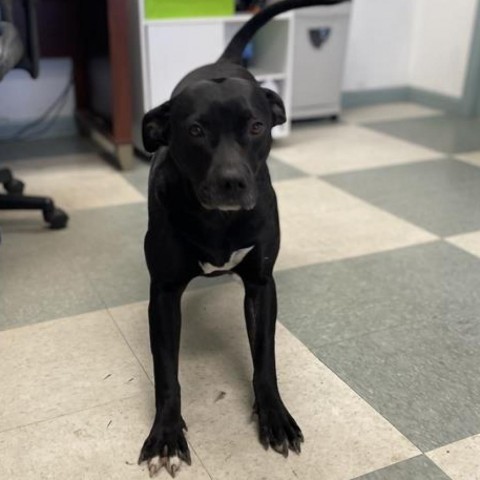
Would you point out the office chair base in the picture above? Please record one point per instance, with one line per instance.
(15, 200)
(14, 186)
(56, 218)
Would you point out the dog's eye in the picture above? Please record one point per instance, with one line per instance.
(256, 128)
(196, 131)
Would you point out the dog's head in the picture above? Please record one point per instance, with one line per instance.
(219, 134)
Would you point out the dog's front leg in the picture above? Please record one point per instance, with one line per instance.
(277, 427)
(166, 445)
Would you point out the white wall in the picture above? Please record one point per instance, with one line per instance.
(392, 43)
(417, 43)
(442, 35)
(378, 51)
(23, 99)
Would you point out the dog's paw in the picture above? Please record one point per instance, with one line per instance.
(277, 428)
(165, 447)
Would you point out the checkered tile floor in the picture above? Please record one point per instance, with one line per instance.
(379, 309)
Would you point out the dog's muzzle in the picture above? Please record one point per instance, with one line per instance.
(228, 192)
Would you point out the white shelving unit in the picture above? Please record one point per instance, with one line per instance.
(320, 45)
(163, 51)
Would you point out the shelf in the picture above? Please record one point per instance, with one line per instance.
(166, 49)
(262, 74)
(239, 18)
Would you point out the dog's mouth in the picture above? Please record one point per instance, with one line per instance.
(211, 197)
(228, 207)
(227, 203)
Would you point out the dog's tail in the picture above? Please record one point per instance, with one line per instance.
(233, 52)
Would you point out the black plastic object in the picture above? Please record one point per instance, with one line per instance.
(15, 200)
(318, 36)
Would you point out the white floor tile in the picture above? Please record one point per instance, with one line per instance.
(62, 366)
(342, 148)
(76, 187)
(61, 163)
(472, 157)
(460, 460)
(321, 223)
(344, 436)
(470, 242)
(97, 444)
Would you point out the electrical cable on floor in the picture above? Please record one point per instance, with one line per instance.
(45, 121)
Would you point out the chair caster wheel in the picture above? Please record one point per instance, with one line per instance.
(56, 218)
(14, 186)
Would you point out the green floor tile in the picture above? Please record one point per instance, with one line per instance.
(417, 468)
(446, 133)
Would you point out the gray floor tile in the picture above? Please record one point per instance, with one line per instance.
(41, 286)
(138, 176)
(102, 249)
(4, 320)
(281, 171)
(416, 468)
(333, 301)
(112, 256)
(11, 151)
(449, 134)
(108, 247)
(424, 379)
(387, 111)
(423, 375)
(441, 196)
(97, 261)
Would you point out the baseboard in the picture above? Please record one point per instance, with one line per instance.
(454, 105)
(362, 98)
(60, 127)
(438, 101)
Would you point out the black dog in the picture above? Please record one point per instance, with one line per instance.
(212, 209)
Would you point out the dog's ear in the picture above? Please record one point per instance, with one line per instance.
(277, 107)
(156, 127)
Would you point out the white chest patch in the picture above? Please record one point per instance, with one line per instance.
(235, 258)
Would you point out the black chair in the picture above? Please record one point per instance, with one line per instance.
(13, 54)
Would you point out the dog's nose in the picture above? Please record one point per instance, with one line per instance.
(232, 183)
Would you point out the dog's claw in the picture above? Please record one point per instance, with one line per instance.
(154, 466)
(264, 442)
(165, 449)
(185, 456)
(295, 446)
(263, 437)
(281, 448)
(278, 429)
(254, 412)
(171, 464)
